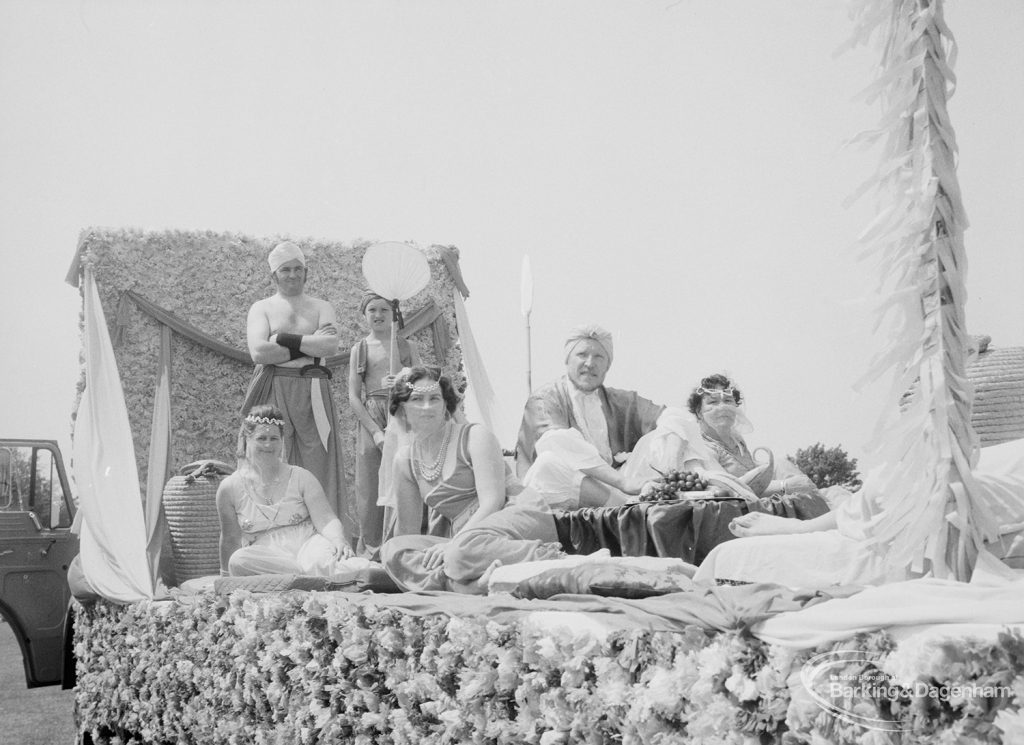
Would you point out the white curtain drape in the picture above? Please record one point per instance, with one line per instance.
(112, 527)
(481, 403)
(159, 454)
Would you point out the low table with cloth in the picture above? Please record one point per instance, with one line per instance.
(686, 529)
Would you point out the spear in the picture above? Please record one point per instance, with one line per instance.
(525, 306)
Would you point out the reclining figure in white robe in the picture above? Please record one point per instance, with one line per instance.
(836, 548)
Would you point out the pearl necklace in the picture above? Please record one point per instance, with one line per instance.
(433, 471)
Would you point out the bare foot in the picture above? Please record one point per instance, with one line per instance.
(759, 523)
(481, 583)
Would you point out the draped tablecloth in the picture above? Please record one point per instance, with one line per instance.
(685, 529)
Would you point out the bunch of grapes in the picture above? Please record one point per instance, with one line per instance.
(673, 484)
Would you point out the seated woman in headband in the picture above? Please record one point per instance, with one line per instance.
(274, 517)
(710, 439)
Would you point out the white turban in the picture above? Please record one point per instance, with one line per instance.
(593, 333)
(284, 252)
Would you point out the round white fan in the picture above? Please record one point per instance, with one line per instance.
(396, 272)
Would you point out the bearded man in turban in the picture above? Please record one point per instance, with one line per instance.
(288, 334)
(573, 428)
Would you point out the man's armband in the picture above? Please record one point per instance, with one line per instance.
(291, 342)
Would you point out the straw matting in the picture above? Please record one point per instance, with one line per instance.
(998, 378)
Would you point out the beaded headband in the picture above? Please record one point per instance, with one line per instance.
(423, 388)
(721, 393)
(264, 420)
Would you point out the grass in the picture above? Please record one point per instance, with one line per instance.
(31, 716)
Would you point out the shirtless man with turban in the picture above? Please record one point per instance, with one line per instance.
(288, 333)
(573, 428)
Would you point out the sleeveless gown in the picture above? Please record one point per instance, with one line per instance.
(279, 538)
(523, 530)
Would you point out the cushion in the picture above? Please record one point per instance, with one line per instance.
(506, 578)
(270, 583)
(372, 578)
(602, 578)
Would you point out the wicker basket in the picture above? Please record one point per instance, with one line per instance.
(998, 378)
(191, 509)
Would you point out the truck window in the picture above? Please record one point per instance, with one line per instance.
(10, 494)
(30, 481)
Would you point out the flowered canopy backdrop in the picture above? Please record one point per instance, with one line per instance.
(203, 283)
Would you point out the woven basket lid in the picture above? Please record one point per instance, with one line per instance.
(997, 374)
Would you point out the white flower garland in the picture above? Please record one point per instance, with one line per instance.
(326, 667)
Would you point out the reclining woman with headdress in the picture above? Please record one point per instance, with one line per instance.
(477, 513)
(274, 517)
(773, 548)
(710, 440)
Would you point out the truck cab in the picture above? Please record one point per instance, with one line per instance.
(36, 548)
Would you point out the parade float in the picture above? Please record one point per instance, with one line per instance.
(934, 659)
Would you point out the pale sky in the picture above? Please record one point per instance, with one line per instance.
(675, 171)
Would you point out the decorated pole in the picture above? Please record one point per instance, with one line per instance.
(526, 307)
(925, 446)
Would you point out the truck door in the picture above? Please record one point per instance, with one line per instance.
(36, 547)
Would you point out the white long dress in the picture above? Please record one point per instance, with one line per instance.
(279, 538)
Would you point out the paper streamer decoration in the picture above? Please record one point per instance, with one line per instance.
(931, 517)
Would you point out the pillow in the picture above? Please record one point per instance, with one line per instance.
(372, 578)
(505, 578)
(270, 583)
(601, 578)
